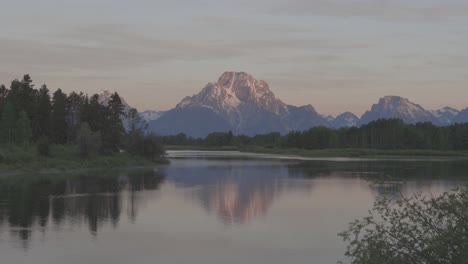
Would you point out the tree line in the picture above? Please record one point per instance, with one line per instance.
(37, 116)
(387, 134)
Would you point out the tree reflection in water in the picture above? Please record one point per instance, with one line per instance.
(30, 203)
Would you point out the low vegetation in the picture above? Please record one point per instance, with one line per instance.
(415, 230)
(390, 137)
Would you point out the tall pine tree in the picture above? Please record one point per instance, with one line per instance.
(41, 121)
(59, 117)
(23, 133)
(114, 132)
(7, 123)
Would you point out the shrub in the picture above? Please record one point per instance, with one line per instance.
(412, 230)
(43, 147)
(88, 142)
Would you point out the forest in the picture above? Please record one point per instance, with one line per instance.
(37, 117)
(385, 134)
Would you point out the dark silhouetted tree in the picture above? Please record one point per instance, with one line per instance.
(59, 117)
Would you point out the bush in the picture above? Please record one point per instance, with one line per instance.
(153, 148)
(88, 142)
(412, 230)
(43, 147)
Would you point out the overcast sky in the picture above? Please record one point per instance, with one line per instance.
(337, 55)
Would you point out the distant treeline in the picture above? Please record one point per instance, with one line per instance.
(34, 116)
(381, 134)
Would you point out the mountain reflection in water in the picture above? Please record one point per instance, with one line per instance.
(236, 191)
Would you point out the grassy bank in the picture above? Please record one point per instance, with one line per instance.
(362, 153)
(63, 158)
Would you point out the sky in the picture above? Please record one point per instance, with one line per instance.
(338, 55)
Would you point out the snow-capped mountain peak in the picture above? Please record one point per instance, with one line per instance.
(329, 118)
(232, 91)
(240, 103)
(445, 115)
(346, 119)
(105, 96)
(398, 107)
(149, 116)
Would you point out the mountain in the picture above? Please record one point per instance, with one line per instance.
(446, 115)
(105, 96)
(346, 119)
(462, 117)
(239, 103)
(149, 116)
(328, 118)
(398, 107)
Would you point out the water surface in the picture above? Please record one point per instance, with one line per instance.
(205, 208)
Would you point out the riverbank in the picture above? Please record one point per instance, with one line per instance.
(345, 153)
(14, 159)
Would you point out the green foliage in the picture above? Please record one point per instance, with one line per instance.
(23, 133)
(88, 142)
(43, 147)
(41, 117)
(66, 127)
(412, 230)
(59, 117)
(219, 139)
(7, 123)
(153, 148)
(114, 131)
(388, 134)
(136, 142)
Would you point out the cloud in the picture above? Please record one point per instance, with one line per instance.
(395, 10)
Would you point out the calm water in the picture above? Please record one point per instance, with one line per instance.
(205, 208)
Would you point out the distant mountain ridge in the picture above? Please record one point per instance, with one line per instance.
(239, 103)
(398, 107)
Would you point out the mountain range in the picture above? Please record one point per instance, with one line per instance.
(239, 103)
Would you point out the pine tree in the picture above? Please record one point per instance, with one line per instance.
(58, 117)
(74, 104)
(23, 133)
(7, 123)
(22, 95)
(41, 121)
(115, 130)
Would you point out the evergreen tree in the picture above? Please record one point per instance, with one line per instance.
(22, 95)
(59, 117)
(7, 123)
(114, 131)
(74, 104)
(89, 142)
(135, 122)
(23, 133)
(3, 95)
(41, 121)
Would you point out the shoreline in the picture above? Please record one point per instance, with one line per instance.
(334, 153)
(63, 159)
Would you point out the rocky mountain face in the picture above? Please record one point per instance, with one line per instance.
(398, 107)
(105, 96)
(462, 117)
(149, 116)
(239, 103)
(346, 119)
(446, 115)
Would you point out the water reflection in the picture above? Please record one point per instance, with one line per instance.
(236, 191)
(30, 203)
(391, 177)
(239, 191)
(304, 204)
